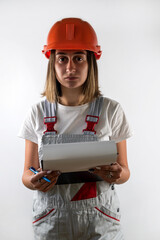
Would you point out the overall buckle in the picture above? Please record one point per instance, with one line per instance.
(91, 122)
(50, 122)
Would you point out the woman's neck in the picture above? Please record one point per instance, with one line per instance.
(71, 97)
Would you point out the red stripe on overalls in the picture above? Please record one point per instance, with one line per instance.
(43, 216)
(107, 214)
(88, 190)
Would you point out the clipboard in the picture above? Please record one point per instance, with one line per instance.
(76, 157)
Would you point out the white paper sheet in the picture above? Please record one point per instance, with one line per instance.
(73, 157)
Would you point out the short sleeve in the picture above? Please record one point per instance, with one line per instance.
(119, 125)
(27, 130)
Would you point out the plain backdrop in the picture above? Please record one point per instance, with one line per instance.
(129, 72)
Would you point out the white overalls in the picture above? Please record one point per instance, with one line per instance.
(80, 206)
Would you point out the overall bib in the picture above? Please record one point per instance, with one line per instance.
(81, 206)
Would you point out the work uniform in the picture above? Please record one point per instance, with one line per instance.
(81, 205)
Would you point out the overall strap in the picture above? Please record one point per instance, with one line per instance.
(50, 109)
(93, 117)
(96, 107)
(50, 118)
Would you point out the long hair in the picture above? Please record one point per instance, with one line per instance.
(52, 89)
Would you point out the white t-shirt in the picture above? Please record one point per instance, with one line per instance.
(112, 123)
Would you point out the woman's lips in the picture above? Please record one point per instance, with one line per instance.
(71, 78)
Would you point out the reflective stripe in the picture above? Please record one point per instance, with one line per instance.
(92, 118)
(88, 132)
(50, 133)
(50, 119)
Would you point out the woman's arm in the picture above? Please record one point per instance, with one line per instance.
(35, 181)
(123, 163)
(119, 172)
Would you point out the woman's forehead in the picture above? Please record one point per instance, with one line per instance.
(70, 52)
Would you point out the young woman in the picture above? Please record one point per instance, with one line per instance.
(76, 205)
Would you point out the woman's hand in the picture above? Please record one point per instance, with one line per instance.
(118, 172)
(109, 173)
(38, 183)
(35, 181)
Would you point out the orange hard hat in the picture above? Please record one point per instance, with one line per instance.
(70, 34)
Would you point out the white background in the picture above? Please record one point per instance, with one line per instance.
(129, 72)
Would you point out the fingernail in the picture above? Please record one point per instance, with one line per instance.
(99, 168)
(48, 172)
(58, 172)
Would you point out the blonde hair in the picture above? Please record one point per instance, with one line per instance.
(52, 89)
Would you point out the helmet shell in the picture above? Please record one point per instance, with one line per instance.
(70, 34)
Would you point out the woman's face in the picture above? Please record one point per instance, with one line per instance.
(71, 67)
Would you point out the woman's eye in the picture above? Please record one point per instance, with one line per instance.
(79, 59)
(61, 59)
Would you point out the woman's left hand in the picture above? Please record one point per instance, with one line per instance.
(110, 173)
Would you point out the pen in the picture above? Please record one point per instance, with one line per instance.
(34, 171)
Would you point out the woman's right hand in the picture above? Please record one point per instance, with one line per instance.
(38, 183)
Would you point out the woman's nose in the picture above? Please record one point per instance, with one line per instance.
(70, 66)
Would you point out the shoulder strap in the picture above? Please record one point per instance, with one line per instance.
(50, 109)
(96, 107)
(50, 118)
(93, 117)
